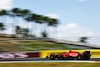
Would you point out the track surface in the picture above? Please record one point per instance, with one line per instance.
(42, 59)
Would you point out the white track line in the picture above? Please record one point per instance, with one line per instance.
(95, 57)
(43, 61)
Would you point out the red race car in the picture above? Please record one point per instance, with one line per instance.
(71, 55)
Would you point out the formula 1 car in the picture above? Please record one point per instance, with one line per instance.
(71, 55)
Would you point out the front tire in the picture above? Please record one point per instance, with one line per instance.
(52, 57)
(79, 57)
(88, 58)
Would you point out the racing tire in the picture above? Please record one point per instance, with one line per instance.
(88, 58)
(79, 57)
(52, 57)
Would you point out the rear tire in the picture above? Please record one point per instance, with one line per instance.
(88, 58)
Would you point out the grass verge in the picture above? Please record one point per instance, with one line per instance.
(50, 64)
(14, 46)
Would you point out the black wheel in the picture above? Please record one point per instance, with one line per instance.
(79, 57)
(88, 58)
(52, 57)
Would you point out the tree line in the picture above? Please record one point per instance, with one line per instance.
(28, 16)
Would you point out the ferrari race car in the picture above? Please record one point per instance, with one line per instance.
(71, 55)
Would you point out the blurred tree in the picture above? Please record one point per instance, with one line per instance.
(25, 13)
(53, 22)
(45, 20)
(18, 30)
(16, 12)
(29, 17)
(38, 20)
(2, 27)
(29, 20)
(26, 16)
(44, 34)
(50, 22)
(83, 39)
(34, 18)
(5, 14)
(24, 32)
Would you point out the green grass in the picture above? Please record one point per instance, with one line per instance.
(52, 64)
(31, 46)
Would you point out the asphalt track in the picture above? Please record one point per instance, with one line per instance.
(43, 59)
